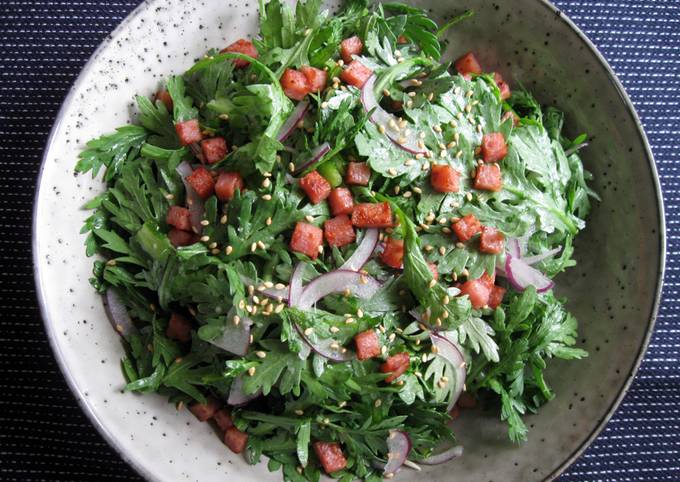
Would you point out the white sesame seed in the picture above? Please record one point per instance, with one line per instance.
(266, 183)
(435, 350)
(407, 194)
(341, 62)
(268, 222)
(320, 249)
(291, 166)
(267, 197)
(169, 196)
(409, 103)
(334, 346)
(253, 247)
(442, 250)
(334, 329)
(459, 154)
(349, 321)
(386, 92)
(360, 313)
(392, 171)
(468, 196)
(260, 354)
(417, 190)
(460, 245)
(324, 105)
(446, 300)
(251, 371)
(299, 412)
(437, 128)
(381, 128)
(411, 94)
(377, 403)
(228, 250)
(428, 248)
(279, 308)
(433, 283)
(309, 331)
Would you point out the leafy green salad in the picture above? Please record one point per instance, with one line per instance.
(328, 242)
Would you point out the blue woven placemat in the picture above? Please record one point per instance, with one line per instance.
(43, 46)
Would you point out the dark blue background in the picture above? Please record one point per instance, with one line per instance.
(43, 46)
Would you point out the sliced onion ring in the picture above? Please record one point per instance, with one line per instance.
(235, 337)
(363, 252)
(291, 123)
(409, 143)
(530, 260)
(237, 397)
(295, 285)
(448, 350)
(360, 285)
(193, 200)
(315, 156)
(445, 456)
(118, 314)
(398, 448)
(521, 275)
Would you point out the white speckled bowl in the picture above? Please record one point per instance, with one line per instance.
(614, 292)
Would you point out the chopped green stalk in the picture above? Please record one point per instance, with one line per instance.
(331, 170)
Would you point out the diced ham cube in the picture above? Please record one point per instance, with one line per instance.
(330, 456)
(393, 253)
(307, 239)
(395, 365)
(491, 241)
(180, 238)
(189, 132)
(402, 39)
(502, 86)
(341, 201)
(488, 178)
(466, 227)
(372, 215)
(496, 297)
(204, 411)
(214, 149)
(227, 184)
(478, 291)
(316, 78)
(367, 345)
(179, 328)
(444, 178)
(315, 186)
(235, 440)
(241, 46)
(295, 84)
(179, 217)
(349, 47)
(339, 231)
(356, 74)
(223, 419)
(358, 174)
(202, 182)
(468, 64)
(434, 271)
(494, 147)
(164, 96)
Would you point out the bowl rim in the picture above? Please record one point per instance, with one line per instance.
(139, 468)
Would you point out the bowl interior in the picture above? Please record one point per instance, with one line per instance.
(613, 291)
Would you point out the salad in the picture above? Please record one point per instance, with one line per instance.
(327, 241)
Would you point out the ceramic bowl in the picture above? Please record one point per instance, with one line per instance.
(614, 291)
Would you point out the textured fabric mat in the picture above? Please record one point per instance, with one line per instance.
(43, 46)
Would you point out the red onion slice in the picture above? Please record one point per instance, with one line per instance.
(316, 154)
(445, 456)
(514, 247)
(360, 285)
(521, 275)
(237, 396)
(118, 314)
(324, 348)
(291, 123)
(193, 200)
(363, 252)
(398, 448)
(295, 285)
(236, 336)
(448, 350)
(407, 138)
(540, 257)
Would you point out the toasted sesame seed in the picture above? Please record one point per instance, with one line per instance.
(334, 346)
(205, 239)
(392, 337)
(469, 93)
(169, 196)
(377, 403)
(430, 96)
(465, 272)
(223, 219)
(435, 350)
(442, 221)
(342, 403)
(442, 153)
(320, 249)
(324, 105)
(212, 245)
(309, 331)
(433, 283)
(360, 313)
(401, 140)
(215, 251)
(459, 116)
(480, 128)
(428, 248)
(291, 166)
(260, 354)
(267, 197)
(251, 371)
(417, 190)
(400, 60)
(386, 93)
(256, 299)
(455, 204)
(392, 171)
(411, 94)
(381, 128)
(341, 62)
(363, 280)
(268, 222)
(468, 196)
(228, 250)
(334, 329)
(424, 358)
(442, 250)
(409, 103)
(267, 174)
(419, 155)
(459, 154)
(453, 123)
(468, 108)
(279, 308)
(397, 189)
(266, 183)
(383, 350)
(437, 128)
(441, 384)
(253, 247)
(407, 194)
(349, 321)
(336, 80)
(346, 292)
(299, 412)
